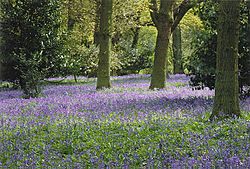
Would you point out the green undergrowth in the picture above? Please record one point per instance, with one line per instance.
(68, 82)
(113, 141)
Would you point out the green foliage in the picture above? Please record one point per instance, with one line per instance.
(129, 14)
(82, 61)
(203, 60)
(190, 25)
(31, 44)
(80, 51)
(133, 60)
(130, 17)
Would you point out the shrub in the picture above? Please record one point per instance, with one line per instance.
(31, 44)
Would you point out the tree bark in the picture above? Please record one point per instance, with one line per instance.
(103, 73)
(159, 73)
(136, 32)
(177, 50)
(116, 38)
(71, 20)
(162, 19)
(165, 25)
(226, 102)
(97, 22)
(135, 38)
(248, 7)
(1, 78)
(248, 34)
(248, 24)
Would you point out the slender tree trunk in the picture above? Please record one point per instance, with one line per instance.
(177, 50)
(135, 38)
(97, 23)
(1, 68)
(226, 102)
(248, 34)
(162, 19)
(116, 38)
(75, 78)
(103, 73)
(136, 32)
(71, 21)
(248, 7)
(71, 24)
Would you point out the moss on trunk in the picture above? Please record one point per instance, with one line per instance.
(103, 73)
(163, 21)
(159, 73)
(226, 102)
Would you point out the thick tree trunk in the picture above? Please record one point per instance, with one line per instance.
(163, 21)
(159, 73)
(226, 102)
(97, 23)
(177, 50)
(103, 73)
(162, 17)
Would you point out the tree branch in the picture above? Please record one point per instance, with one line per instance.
(147, 24)
(153, 11)
(181, 10)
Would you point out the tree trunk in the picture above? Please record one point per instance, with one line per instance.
(75, 78)
(177, 50)
(226, 102)
(136, 32)
(248, 34)
(248, 7)
(103, 73)
(159, 73)
(162, 19)
(116, 38)
(71, 20)
(135, 38)
(97, 23)
(1, 78)
(248, 24)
